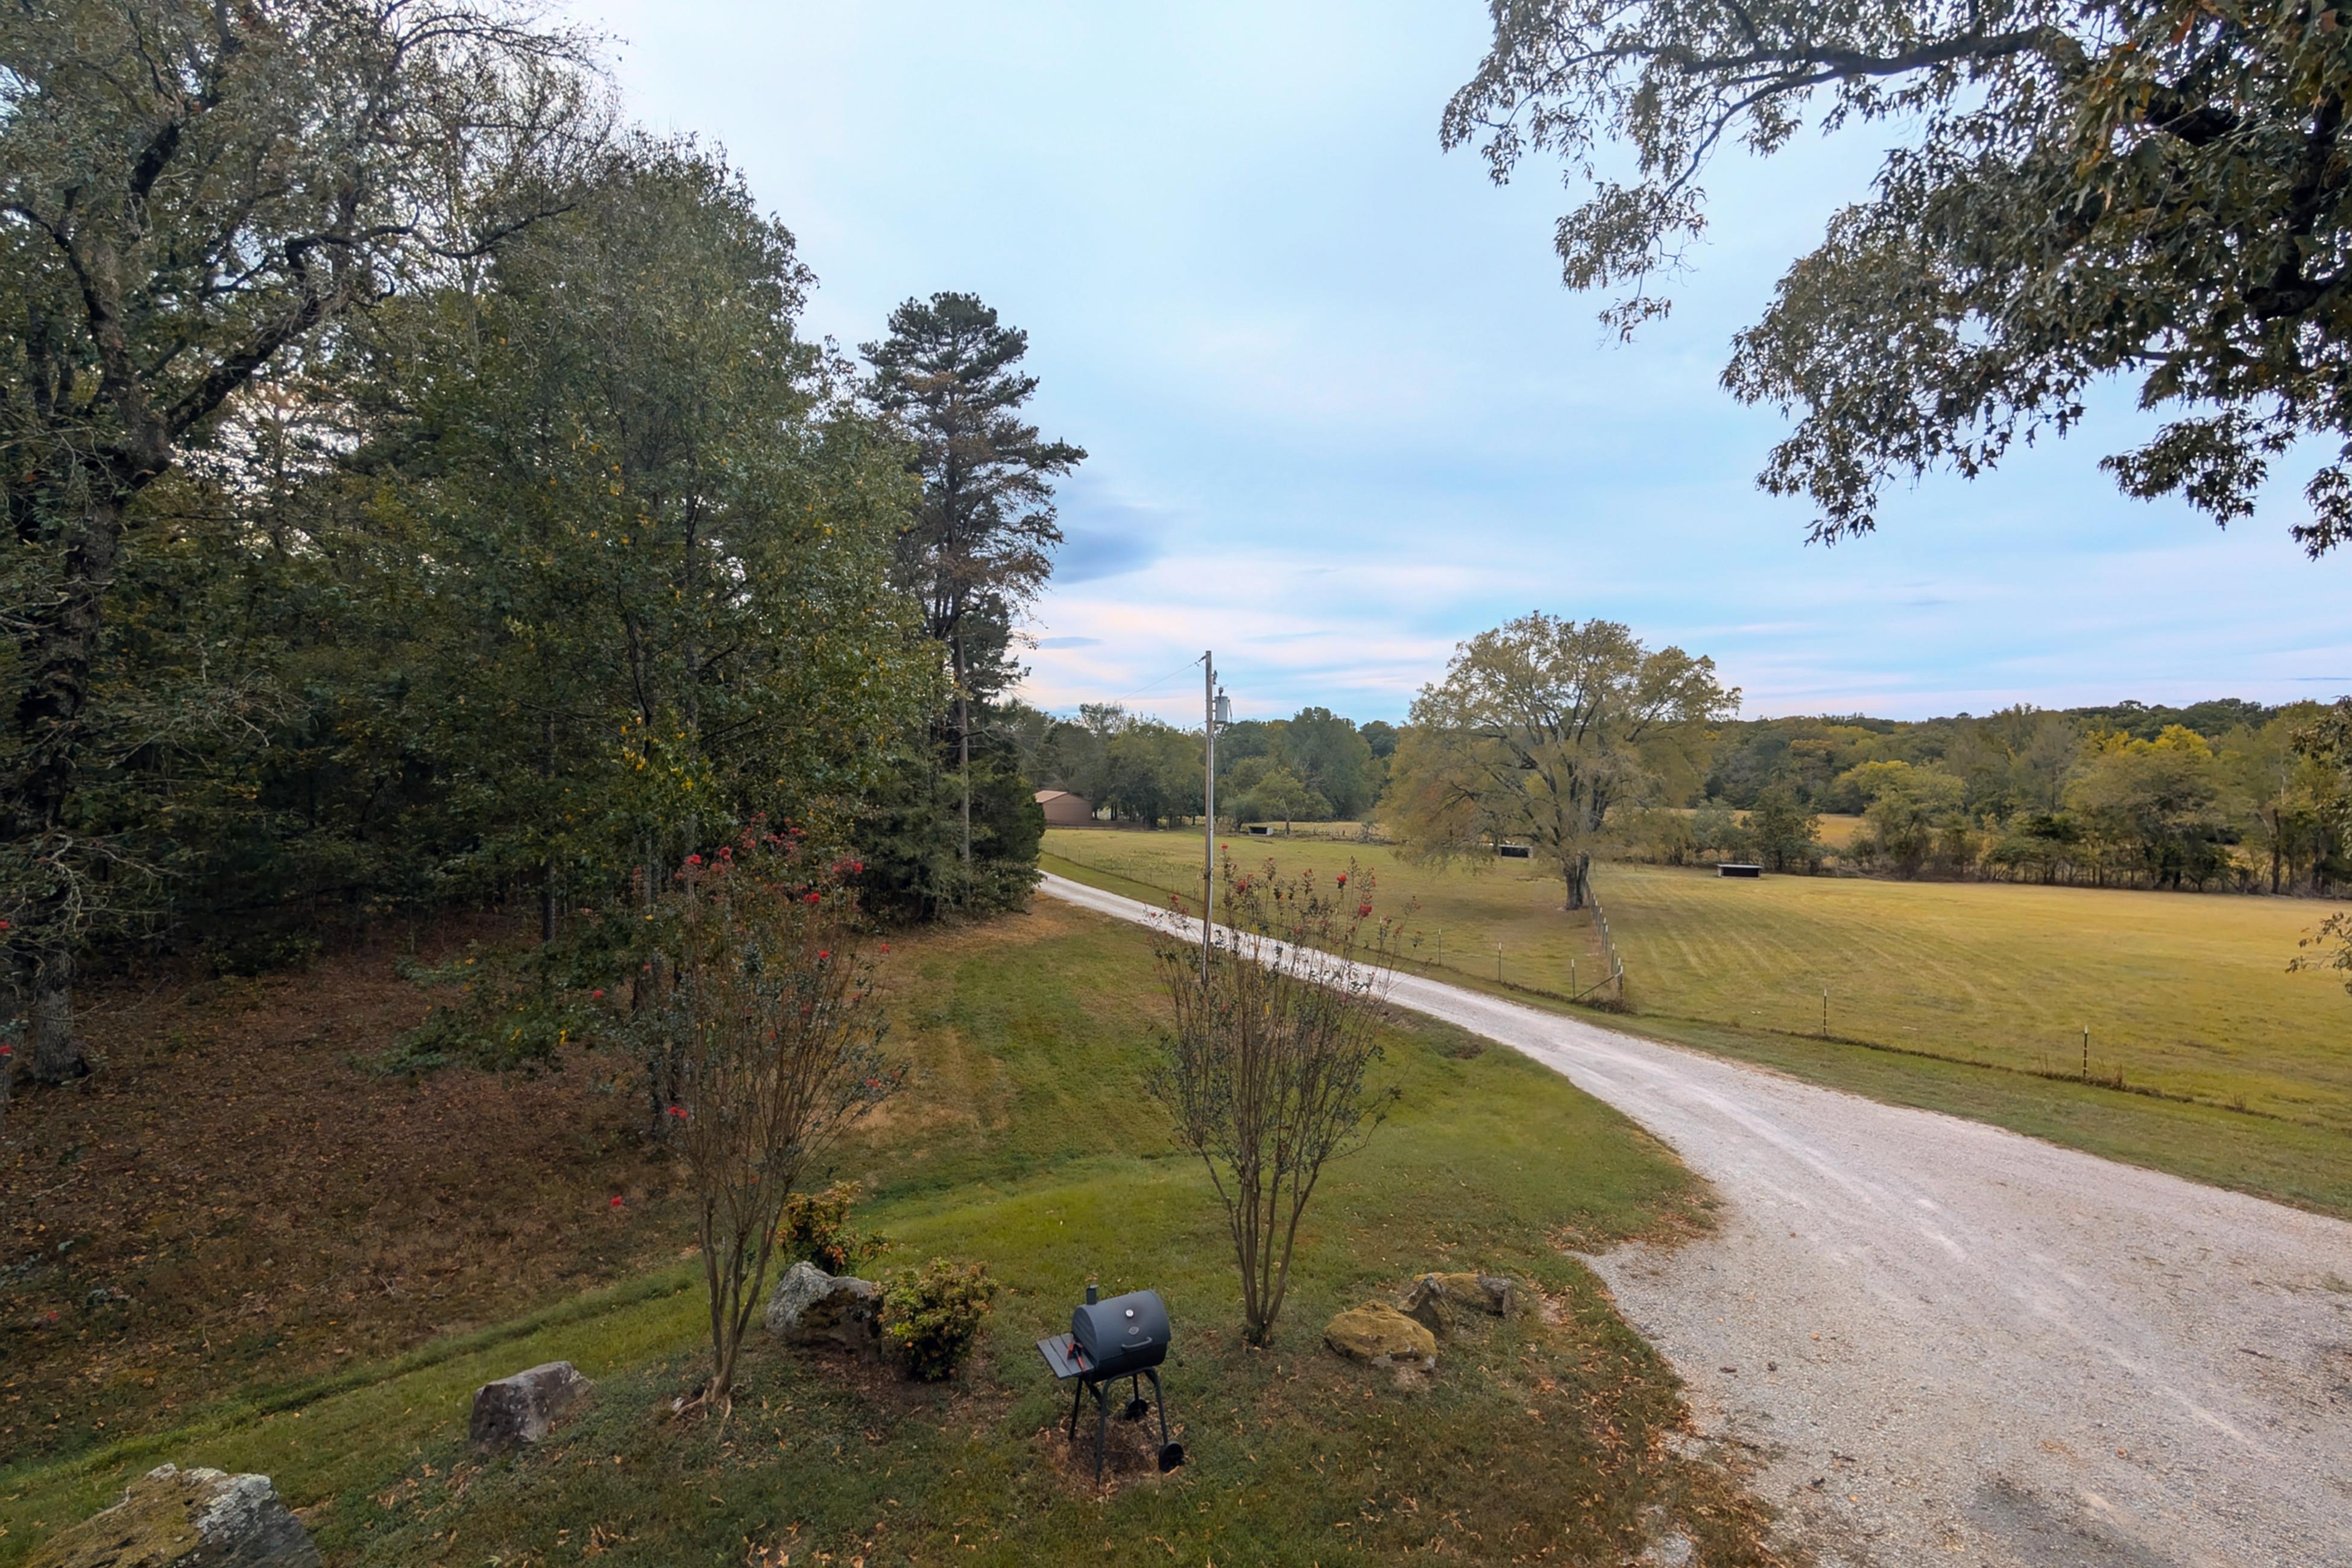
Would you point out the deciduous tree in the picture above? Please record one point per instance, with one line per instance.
(189, 193)
(1270, 1056)
(2073, 189)
(1537, 730)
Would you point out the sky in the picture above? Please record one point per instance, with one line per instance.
(1341, 414)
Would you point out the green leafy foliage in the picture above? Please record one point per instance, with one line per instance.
(932, 1315)
(1538, 730)
(2073, 189)
(815, 1228)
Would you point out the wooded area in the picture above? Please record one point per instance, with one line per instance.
(451, 512)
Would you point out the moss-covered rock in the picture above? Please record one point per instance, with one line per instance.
(1380, 1335)
(171, 1518)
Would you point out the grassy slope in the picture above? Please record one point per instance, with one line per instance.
(1028, 1142)
(2186, 995)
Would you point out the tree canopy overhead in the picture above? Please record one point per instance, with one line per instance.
(2078, 188)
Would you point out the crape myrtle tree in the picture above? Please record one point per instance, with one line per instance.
(2077, 188)
(977, 550)
(189, 193)
(1270, 1053)
(769, 1016)
(1538, 729)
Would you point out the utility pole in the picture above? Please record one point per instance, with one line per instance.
(1209, 704)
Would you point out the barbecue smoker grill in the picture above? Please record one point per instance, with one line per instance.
(1125, 1336)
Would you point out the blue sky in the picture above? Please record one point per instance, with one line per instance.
(1340, 412)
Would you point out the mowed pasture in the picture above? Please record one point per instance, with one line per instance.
(2184, 993)
(1454, 918)
(2235, 1070)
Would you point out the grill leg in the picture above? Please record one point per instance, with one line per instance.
(1158, 1402)
(1102, 1429)
(1077, 1398)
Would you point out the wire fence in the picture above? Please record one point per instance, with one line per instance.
(1615, 977)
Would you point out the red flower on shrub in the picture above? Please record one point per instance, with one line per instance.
(694, 859)
(616, 1200)
(885, 947)
(816, 897)
(1363, 909)
(824, 953)
(678, 1111)
(1343, 879)
(597, 995)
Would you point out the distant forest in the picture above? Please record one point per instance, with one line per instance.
(2210, 797)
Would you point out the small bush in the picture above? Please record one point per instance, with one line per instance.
(931, 1315)
(816, 1230)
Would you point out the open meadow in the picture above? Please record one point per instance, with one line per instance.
(2184, 996)
(1026, 1141)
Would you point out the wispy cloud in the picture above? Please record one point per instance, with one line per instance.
(1341, 414)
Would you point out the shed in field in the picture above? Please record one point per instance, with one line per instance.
(1063, 809)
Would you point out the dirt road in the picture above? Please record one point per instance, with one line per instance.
(1949, 1343)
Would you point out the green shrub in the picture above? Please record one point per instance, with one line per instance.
(931, 1315)
(816, 1230)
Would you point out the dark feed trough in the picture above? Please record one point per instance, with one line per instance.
(1125, 1336)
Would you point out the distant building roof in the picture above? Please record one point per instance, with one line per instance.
(1045, 795)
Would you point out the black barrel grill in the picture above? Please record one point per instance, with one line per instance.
(1125, 1336)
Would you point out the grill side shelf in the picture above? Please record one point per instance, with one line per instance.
(1063, 1356)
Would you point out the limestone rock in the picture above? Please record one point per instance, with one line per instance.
(171, 1518)
(812, 1307)
(1381, 1335)
(523, 1409)
(1434, 1299)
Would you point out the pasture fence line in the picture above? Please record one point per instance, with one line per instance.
(1610, 959)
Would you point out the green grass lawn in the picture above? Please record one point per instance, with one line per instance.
(2185, 995)
(1028, 1142)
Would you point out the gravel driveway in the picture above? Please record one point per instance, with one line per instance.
(1943, 1343)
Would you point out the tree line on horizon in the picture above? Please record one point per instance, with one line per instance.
(2219, 794)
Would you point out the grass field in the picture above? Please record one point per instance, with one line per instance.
(1458, 921)
(2184, 995)
(1027, 1141)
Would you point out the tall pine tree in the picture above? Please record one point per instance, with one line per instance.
(981, 545)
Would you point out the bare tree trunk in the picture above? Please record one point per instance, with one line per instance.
(963, 747)
(49, 704)
(48, 1025)
(547, 866)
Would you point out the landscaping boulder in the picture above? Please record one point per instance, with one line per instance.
(1380, 1335)
(171, 1518)
(812, 1307)
(523, 1409)
(1434, 1300)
